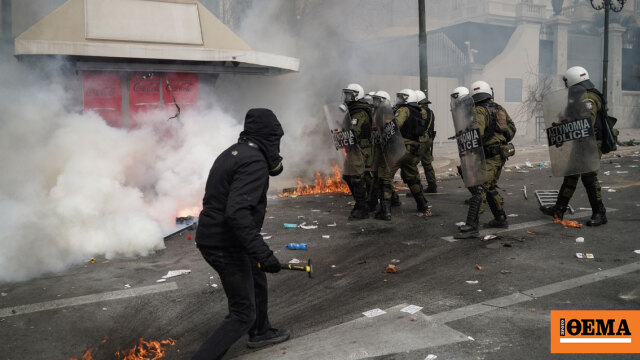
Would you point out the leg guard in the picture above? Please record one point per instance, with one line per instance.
(470, 228)
(564, 195)
(599, 212)
(416, 191)
(360, 210)
(499, 217)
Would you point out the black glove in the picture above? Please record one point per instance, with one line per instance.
(270, 264)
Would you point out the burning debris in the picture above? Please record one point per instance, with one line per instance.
(144, 350)
(321, 185)
(568, 223)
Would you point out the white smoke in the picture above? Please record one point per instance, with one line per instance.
(73, 187)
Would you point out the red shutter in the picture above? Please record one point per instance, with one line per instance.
(102, 94)
(144, 95)
(184, 87)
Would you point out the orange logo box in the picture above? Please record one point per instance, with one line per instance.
(595, 331)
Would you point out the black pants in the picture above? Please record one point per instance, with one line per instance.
(246, 289)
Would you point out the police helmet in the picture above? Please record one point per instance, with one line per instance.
(480, 91)
(575, 75)
(459, 92)
(405, 96)
(352, 92)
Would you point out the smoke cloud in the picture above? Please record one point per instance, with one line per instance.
(73, 187)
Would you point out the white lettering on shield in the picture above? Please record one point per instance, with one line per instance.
(558, 134)
(468, 140)
(343, 139)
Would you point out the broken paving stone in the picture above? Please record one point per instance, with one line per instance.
(174, 273)
(391, 269)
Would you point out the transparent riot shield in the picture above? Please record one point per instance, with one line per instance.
(389, 138)
(469, 142)
(350, 157)
(570, 132)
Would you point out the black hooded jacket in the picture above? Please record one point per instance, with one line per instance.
(235, 198)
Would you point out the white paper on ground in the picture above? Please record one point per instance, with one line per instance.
(411, 309)
(173, 273)
(374, 313)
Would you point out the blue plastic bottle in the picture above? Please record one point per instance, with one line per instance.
(296, 246)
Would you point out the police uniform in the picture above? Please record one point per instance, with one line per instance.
(426, 157)
(410, 120)
(589, 105)
(361, 125)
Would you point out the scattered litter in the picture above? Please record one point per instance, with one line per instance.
(395, 261)
(542, 164)
(584, 208)
(580, 239)
(478, 267)
(104, 309)
(461, 223)
(92, 260)
(530, 232)
(431, 357)
(479, 290)
(633, 166)
(635, 251)
(512, 215)
(585, 256)
(214, 285)
(161, 280)
(517, 167)
(127, 286)
(290, 226)
(174, 273)
(507, 170)
(339, 274)
(333, 266)
(300, 217)
(263, 234)
(391, 269)
(528, 164)
(611, 190)
(315, 210)
(271, 217)
(505, 271)
(622, 172)
(307, 227)
(267, 237)
(374, 313)
(472, 282)
(470, 338)
(334, 224)
(524, 192)
(607, 173)
(326, 236)
(411, 309)
(5, 294)
(489, 237)
(296, 246)
(509, 193)
(294, 261)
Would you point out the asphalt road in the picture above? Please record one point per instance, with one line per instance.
(525, 273)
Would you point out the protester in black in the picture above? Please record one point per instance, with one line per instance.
(228, 234)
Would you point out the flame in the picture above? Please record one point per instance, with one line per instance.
(321, 185)
(568, 223)
(189, 211)
(146, 350)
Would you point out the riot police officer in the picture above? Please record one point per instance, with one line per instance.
(426, 141)
(360, 113)
(496, 131)
(585, 102)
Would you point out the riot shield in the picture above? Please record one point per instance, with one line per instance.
(389, 136)
(469, 142)
(570, 132)
(350, 157)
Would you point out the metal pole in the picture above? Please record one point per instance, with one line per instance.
(422, 49)
(605, 55)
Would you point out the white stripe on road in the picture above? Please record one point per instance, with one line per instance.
(596, 341)
(527, 225)
(87, 299)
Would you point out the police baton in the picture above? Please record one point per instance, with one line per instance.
(295, 267)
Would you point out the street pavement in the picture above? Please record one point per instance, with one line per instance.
(517, 279)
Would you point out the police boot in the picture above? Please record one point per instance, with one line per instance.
(499, 217)
(421, 201)
(559, 208)
(432, 188)
(360, 209)
(384, 211)
(599, 212)
(395, 199)
(470, 228)
(372, 203)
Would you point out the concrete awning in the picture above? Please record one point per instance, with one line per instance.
(147, 31)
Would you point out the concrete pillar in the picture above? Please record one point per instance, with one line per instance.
(614, 85)
(560, 30)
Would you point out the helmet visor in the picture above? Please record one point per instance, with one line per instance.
(348, 96)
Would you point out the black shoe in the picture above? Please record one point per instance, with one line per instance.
(431, 189)
(497, 223)
(395, 200)
(597, 219)
(358, 214)
(272, 336)
(554, 211)
(384, 212)
(467, 232)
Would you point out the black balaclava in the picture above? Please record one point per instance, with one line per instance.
(261, 126)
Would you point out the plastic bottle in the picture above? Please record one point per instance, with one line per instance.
(296, 246)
